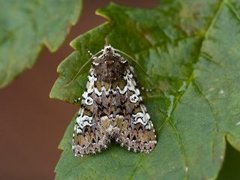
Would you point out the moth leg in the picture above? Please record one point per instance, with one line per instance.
(77, 100)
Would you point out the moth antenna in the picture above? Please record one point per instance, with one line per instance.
(83, 66)
(79, 71)
(125, 54)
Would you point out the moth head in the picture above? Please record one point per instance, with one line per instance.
(108, 50)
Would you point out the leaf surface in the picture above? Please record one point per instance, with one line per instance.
(190, 53)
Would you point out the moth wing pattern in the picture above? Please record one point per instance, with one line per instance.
(89, 134)
(92, 139)
(135, 129)
(111, 108)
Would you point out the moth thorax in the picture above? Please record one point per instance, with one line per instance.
(110, 70)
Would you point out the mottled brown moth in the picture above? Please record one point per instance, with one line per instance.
(112, 108)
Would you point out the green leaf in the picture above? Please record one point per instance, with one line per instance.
(28, 25)
(190, 51)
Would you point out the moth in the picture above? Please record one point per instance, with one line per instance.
(111, 108)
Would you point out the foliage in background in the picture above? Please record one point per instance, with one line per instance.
(190, 51)
(28, 25)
